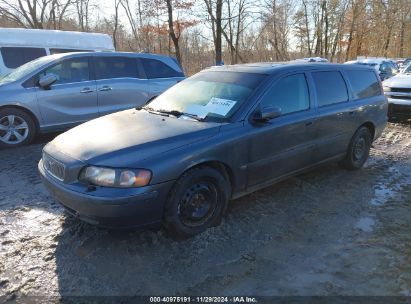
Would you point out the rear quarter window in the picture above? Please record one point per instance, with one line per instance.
(157, 69)
(330, 87)
(364, 84)
(13, 57)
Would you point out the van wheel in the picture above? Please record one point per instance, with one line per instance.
(358, 150)
(17, 128)
(197, 201)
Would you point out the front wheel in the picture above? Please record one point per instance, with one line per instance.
(358, 149)
(17, 128)
(197, 201)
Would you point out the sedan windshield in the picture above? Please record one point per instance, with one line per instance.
(212, 94)
(26, 69)
(407, 70)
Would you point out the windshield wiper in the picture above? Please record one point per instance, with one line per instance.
(174, 113)
(157, 112)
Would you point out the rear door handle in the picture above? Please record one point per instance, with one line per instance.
(351, 111)
(86, 90)
(309, 123)
(105, 88)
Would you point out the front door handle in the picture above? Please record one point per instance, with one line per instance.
(308, 123)
(105, 88)
(86, 90)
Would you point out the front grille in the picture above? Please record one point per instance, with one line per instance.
(400, 97)
(402, 90)
(53, 166)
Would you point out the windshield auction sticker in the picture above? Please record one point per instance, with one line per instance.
(220, 106)
(215, 105)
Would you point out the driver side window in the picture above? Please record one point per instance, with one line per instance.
(290, 94)
(70, 71)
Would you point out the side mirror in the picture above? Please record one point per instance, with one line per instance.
(47, 80)
(267, 114)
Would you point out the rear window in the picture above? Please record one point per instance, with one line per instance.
(330, 87)
(61, 51)
(115, 67)
(13, 57)
(157, 69)
(364, 83)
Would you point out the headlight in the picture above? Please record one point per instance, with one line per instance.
(386, 89)
(108, 177)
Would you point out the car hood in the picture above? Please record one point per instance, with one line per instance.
(122, 139)
(399, 81)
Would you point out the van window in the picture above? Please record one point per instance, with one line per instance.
(13, 57)
(290, 94)
(330, 87)
(61, 51)
(364, 83)
(157, 69)
(70, 71)
(115, 67)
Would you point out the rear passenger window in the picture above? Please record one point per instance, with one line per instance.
(13, 57)
(157, 69)
(330, 87)
(290, 94)
(364, 83)
(115, 67)
(70, 71)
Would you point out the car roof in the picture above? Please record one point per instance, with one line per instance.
(110, 54)
(274, 67)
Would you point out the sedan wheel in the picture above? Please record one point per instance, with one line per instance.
(16, 128)
(198, 204)
(197, 201)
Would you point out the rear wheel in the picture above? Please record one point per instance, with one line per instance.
(198, 201)
(358, 149)
(17, 128)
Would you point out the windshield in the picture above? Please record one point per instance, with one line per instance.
(215, 95)
(407, 70)
(25, 69)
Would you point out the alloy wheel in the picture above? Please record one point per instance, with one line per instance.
(13, 129)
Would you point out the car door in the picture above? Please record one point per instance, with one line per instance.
(335, 115)
(72, 99)
(120, 83)
(160, 75)
(284, 144)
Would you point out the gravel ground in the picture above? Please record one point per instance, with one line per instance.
(327, 232)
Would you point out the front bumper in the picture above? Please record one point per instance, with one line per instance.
(110, 207)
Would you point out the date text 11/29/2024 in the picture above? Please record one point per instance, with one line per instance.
(205, 299)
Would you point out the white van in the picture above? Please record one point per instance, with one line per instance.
(19, 46)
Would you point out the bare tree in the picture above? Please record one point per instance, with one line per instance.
(215, 12)
(38, 14)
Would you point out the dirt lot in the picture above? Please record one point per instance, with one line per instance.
(327, 232)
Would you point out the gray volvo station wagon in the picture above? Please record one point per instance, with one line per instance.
(60, 91)
(218, 135)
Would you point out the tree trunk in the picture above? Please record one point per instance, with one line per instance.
(171, 31)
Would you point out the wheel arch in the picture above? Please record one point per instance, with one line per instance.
(220, 166)
(25, 110)
(370, 127)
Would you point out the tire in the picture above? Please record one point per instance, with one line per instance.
(358, 149)
(17, 128)
(197, 202)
